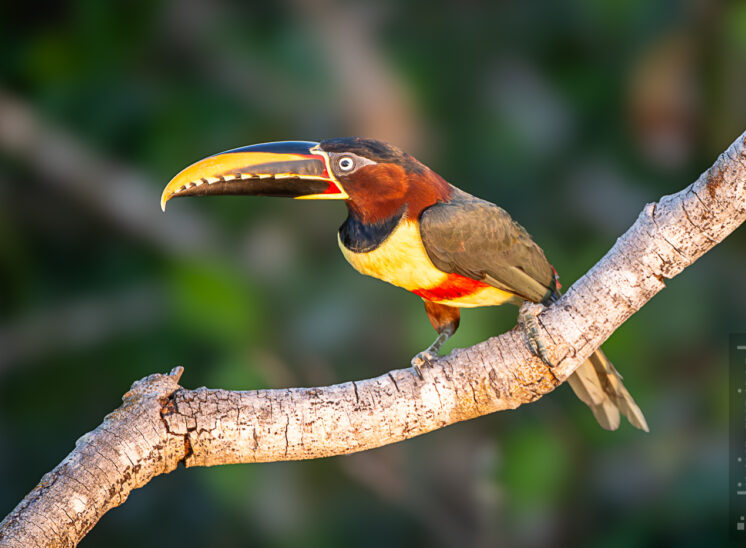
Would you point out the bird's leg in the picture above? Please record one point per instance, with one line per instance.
(445, 320)
(430, 354)
(527, 318)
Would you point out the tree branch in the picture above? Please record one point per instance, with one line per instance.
(161, 424)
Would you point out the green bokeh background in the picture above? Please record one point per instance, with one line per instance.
(572, 115)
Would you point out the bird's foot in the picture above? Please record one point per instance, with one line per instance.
(528, 319)
(424, 358)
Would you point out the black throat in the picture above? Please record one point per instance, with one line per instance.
(361, 237)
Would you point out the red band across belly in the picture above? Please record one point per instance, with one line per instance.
(453, 287)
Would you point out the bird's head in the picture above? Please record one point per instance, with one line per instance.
(377, 180)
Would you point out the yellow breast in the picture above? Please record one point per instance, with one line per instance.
(400, 260)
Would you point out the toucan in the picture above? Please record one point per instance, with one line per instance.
(408, 226)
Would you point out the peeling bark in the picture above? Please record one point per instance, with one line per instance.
(161, 424)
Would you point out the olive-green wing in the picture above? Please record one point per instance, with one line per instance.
(478, 239)
(475, 238)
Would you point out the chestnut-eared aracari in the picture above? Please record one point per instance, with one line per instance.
(409, 227)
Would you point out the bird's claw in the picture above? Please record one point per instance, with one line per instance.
(424, 358)
(527, 317)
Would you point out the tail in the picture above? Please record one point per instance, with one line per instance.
(600, 387)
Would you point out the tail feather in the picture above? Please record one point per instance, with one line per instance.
(598, 384)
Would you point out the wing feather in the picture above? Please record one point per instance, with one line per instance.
(479, 240)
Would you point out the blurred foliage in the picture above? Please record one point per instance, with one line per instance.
(572, 115)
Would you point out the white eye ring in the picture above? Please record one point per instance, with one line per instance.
(346, 163)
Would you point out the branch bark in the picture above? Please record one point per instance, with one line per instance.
(161, 424)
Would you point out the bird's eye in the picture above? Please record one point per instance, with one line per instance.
(346, 163)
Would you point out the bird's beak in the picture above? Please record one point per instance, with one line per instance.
(296, 169)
